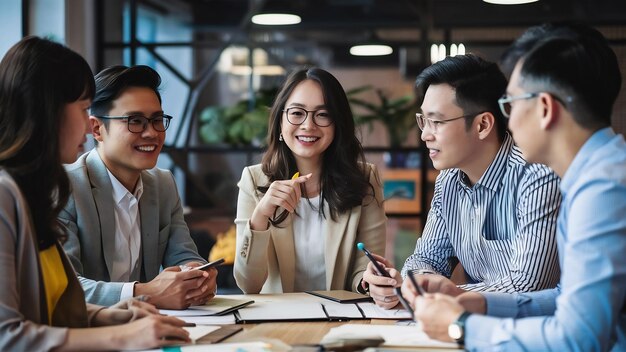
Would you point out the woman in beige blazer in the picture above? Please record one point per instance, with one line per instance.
(301, 212)
(45, 92)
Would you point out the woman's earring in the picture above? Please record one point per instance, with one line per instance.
(280, 138)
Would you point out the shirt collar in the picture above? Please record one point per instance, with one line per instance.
(495, 171)
(119, 191)
(579, 164)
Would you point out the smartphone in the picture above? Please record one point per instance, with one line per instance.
(209, 265)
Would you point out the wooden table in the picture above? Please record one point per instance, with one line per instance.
(293, 333)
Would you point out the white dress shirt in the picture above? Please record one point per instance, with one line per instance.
(309, 240)
(127, 233)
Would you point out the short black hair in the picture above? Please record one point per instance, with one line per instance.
(578, 67)
(533, 35)
(478, 84)
(111, 83)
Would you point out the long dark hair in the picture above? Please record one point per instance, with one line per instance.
(344, 180)
(37, 79)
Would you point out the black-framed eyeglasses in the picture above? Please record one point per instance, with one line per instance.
(139, 123)
(297, 116)
(433, 124)
(505, 102)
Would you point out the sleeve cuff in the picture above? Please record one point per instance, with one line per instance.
(499, 304)
(128, 290)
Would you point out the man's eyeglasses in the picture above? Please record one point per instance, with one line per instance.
(139, 123)
(506, 106)
(434, 124)
(505, 102)
(297, 116)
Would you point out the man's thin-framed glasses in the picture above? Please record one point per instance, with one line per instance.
(506, 106)
(297, 116)
(433, 124)
(139, 123)
(505, 102)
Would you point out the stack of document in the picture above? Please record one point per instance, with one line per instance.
(218, 311)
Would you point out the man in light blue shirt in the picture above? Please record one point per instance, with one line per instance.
(559, 101)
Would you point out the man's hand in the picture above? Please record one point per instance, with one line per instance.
(431, 283)
(436, 312)
(208, 288)
(176, 289)
(473, 302)
(381, 287)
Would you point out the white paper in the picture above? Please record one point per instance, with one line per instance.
(197, 332)
(342, 310)
(372, 311)
(211, 319)
(277, 311)
(213, 307)
(398, 336)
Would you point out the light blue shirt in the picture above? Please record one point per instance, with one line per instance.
(586, 311)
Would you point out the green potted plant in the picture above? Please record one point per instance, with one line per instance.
(397, 115)
(237, 125)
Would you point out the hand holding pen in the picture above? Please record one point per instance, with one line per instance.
(280, 194)
(383, 272)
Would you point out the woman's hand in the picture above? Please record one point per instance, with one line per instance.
(150, 332)
(123, 312)
(284, 193)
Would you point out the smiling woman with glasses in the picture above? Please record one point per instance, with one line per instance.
(139, 123)
(301, 211)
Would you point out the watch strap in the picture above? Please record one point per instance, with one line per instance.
(460, 322)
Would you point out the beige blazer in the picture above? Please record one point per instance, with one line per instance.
(264, 261)
(23, 308)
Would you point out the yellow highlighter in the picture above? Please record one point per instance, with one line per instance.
(296, 175)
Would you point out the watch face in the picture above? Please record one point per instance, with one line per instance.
(455, 331)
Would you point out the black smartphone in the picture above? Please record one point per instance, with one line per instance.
(209, 265)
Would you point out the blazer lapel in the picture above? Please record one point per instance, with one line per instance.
(102, 194)
(149, 215)
(282, 238)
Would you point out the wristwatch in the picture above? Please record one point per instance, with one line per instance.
(456, 329)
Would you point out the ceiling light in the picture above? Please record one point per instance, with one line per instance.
(438, 52)
(509, 2)
(371, 50)
(276, 19)
(267, 70)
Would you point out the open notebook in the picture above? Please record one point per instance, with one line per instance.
(312, 311)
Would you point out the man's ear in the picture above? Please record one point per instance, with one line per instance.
(550, 110)
(485, 123)
(96, 127)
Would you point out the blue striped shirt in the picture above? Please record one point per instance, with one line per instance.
(502, 229)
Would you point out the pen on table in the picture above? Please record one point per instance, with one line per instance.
(384, 272)
(189, 325)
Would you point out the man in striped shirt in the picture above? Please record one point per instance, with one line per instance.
(492, 210)
(560, 101)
